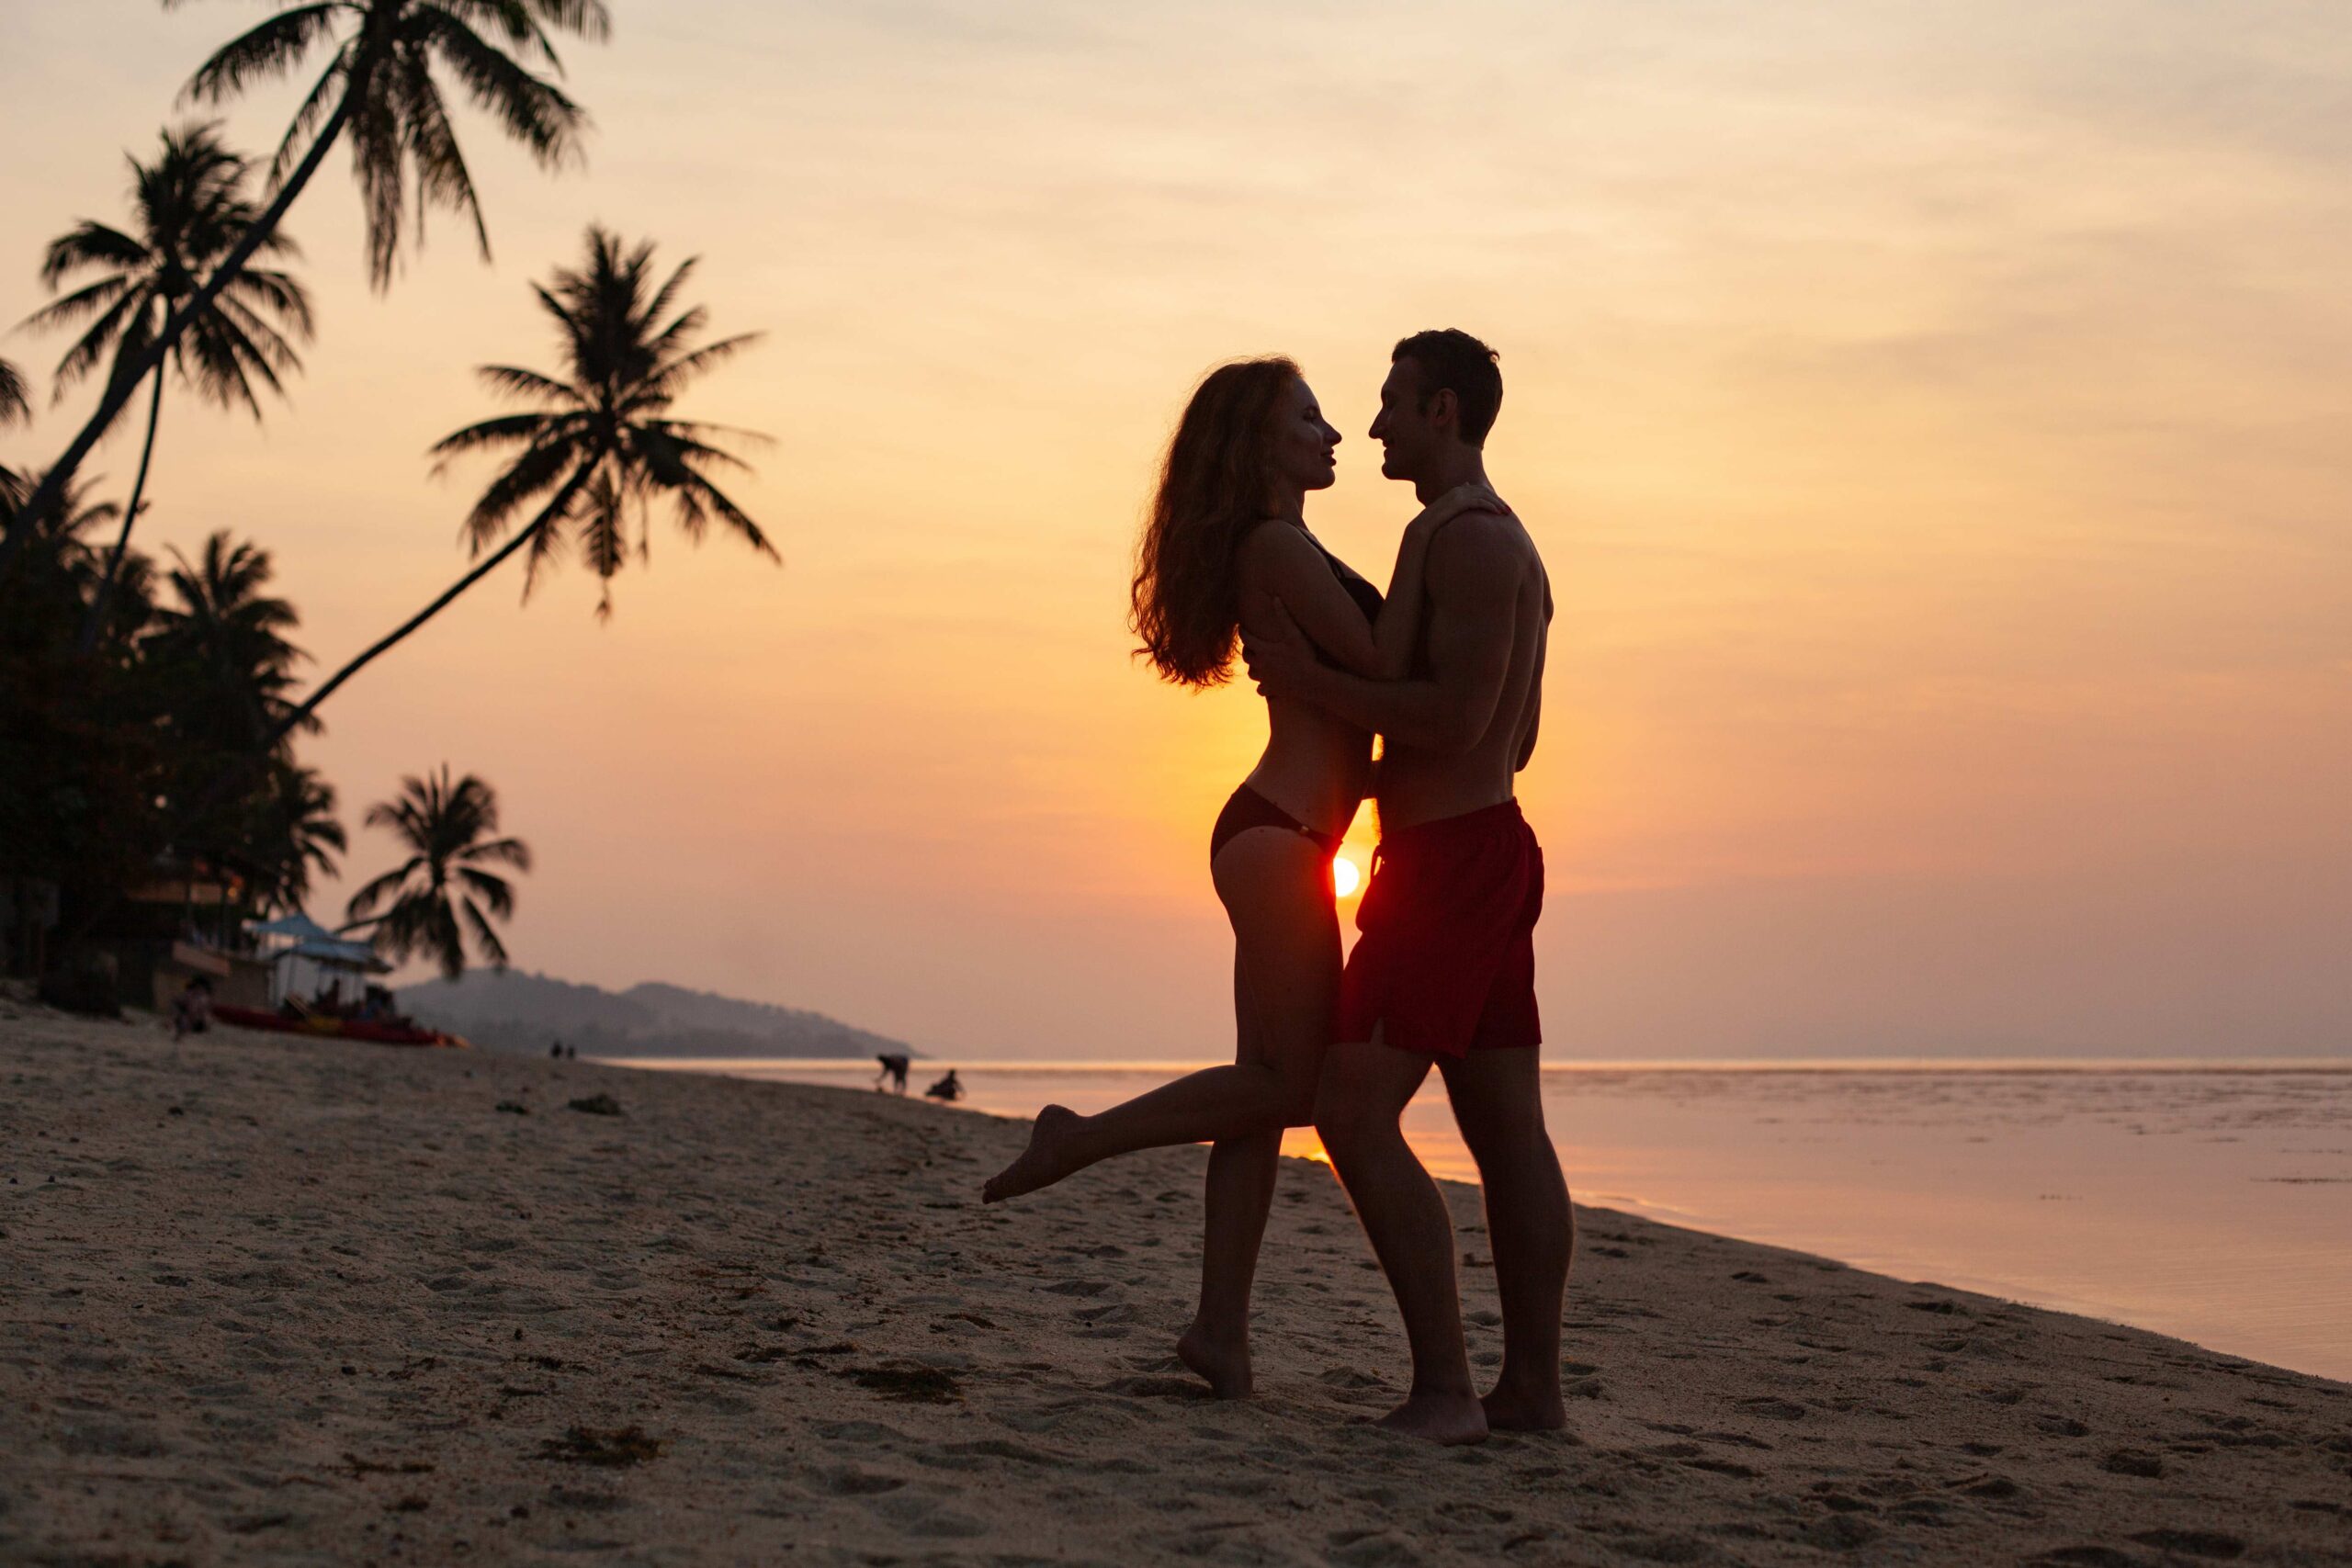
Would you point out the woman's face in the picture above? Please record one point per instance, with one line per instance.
(1305, 443)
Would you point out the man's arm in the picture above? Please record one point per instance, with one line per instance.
(1472, 583)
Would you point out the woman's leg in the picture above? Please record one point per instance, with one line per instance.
(1272, 883)
(1240, 1192)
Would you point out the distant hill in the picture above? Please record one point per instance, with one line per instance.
(523, 1012)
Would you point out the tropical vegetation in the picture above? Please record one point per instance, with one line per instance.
(445, 894)
(382, 86)
(152, 706)
(190, 208)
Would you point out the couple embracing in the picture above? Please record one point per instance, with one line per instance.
(1447, 669)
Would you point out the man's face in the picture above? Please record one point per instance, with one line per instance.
(1409, 439)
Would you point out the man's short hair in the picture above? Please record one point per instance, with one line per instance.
(1451, 360)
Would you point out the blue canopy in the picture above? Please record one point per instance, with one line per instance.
(298, 925)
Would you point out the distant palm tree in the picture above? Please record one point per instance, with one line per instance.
(226, 645)
(298, 834)
(380, 85)
(602, 439)
(61, 539)
(442, 893)
(191, 209)
(14, 409)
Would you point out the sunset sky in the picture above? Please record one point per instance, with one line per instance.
(1935, 417)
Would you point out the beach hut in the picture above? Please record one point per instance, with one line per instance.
(294, 942)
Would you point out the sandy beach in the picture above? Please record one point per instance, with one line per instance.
(275, 1301)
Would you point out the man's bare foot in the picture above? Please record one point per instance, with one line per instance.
(1223, 1364)
(1043, 1163)
(1517, 1410)
(1451, 1420)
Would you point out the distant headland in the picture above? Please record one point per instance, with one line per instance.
(514, 1010)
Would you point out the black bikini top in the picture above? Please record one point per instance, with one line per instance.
(1368, 598)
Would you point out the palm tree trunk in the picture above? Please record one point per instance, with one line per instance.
(119, 391)
(285, 727)
(94, 618)
(546, 518)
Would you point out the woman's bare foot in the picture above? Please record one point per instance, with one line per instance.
(1222, 1363)
(1043, 1163)
(1517, 1410)
(1452, 1418)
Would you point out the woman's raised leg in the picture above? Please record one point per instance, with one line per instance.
(1275, 888)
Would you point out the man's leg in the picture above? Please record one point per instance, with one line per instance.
(1365, 1091)
(1498, 1103)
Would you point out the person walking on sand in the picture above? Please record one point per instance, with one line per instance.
(1445, 972)
(895, 1064)
(1225, 540)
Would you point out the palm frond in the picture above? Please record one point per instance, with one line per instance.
(532, 109)
(64, 312)
(540, 470)
(496, 893)
(484, 937)
(268, 50)
(513, 381)
(15, 406)
(89, 244)
(441, 177)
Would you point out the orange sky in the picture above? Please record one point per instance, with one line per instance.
(1933, 416)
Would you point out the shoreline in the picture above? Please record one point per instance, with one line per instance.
(2019, 1067)
(278, 1299)
(2102, 1220)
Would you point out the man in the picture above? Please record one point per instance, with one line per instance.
(1445, 972)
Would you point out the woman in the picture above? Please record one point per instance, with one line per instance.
(1227, 542)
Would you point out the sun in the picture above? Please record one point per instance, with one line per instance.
(1345, 877)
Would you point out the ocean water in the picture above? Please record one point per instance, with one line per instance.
(2211, 1202)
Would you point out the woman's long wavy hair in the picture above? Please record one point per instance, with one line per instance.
(1214, 485)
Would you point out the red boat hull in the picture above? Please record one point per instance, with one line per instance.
(336, 1028)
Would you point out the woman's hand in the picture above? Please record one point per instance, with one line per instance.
(1471, 497)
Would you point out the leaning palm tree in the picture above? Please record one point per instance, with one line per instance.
(443, 892)
(382, 85)
(602, 439)
(191, 209)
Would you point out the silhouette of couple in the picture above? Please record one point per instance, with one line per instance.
(1447, 668)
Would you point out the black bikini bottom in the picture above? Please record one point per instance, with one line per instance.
(1248, 810)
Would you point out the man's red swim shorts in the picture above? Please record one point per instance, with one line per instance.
(1446, 962)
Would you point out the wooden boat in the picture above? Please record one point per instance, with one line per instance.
(333, 1028)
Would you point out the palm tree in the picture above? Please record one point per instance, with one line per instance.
(14, 409)
(381, 85)
(297, 833)
(442, 892)
(191, 209)
(225, 663)
(601, 440)
(59, 537)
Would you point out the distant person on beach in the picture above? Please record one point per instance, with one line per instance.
(1445, 972)
(1225, 550)
(556, 1050)
(949, 1089)
(192, 1009)
(894, 1071)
